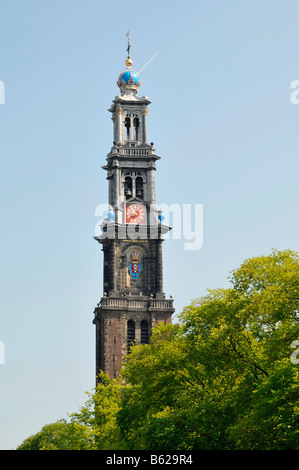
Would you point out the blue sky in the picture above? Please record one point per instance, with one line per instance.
(222, 121)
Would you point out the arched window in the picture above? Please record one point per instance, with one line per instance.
(128, 187)
(144, 332)
(134, 184)
(136, 128)
(130, 334)
(127, 127)
(139, 187)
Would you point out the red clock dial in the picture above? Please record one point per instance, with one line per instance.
(135, 214)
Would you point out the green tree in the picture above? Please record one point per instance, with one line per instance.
(60, 436)
(99, 414)
(223, 378)
(154, 374)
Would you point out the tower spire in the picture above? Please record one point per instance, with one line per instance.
(129, 45)
(129, 80)
(129, 61)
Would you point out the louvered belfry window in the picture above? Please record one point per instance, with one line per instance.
(130, 334)
(144, 332)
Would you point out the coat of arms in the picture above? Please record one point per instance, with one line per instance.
(135, 266)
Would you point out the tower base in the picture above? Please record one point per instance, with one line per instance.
(122, 321)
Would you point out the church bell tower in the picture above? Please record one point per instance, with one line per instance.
(133, 300)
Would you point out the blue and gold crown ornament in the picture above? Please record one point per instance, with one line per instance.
(129, 79)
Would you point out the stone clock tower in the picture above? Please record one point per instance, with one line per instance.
(133, 300)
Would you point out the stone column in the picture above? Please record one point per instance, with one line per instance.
(131, 128)
(151, 192)
(118, 134)
(112, 265)
(159, 267)
(116, 189)
(137, 332)
(144, 125)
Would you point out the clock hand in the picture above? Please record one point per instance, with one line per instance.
(134, 215)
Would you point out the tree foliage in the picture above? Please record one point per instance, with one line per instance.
(99, 414)
(222, 378)
(60, 436)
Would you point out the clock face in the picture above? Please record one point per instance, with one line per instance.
(135, 214)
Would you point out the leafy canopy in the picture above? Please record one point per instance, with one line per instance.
(221, 378)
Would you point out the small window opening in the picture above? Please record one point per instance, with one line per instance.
(130, 334)
(139, 187)
(128, 187)
(136, 128)
(127, 126)
(144, 332)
